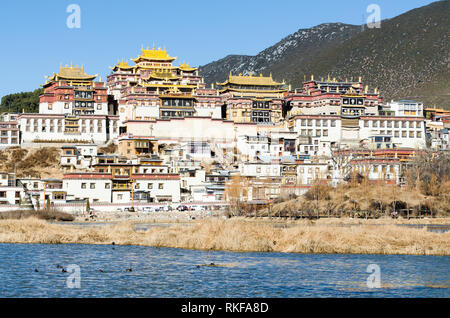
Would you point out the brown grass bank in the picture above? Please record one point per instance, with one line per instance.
(238, 235)
(49, 215)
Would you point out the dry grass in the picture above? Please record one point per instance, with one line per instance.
(40, 163)
(239, 235)
(49, 215)
(346, 200)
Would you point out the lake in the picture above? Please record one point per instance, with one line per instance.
(168, 272)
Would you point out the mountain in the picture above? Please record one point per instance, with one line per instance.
(26, 101)
(297, 49)
(407, 58)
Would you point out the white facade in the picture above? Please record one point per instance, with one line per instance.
(86, 187)
(307, 173)
(406, 108)
(63, 107)
(51, 128)
(408, 132)
(257, 169)
(252, 146)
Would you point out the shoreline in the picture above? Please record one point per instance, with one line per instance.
(238, 235)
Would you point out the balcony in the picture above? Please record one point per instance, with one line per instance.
(122, 186)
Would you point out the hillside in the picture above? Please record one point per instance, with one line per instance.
(408, 57)
(26, 101)
(297, 49)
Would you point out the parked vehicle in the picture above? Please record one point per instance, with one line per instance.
(182, 208)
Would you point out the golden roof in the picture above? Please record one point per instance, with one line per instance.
(175, 92)
(72, 73)
(153, 54)
(251, 80)
(186, 67)
(163, 76)
(351, 92)
(123, 64)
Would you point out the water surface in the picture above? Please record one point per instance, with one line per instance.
(168, 272)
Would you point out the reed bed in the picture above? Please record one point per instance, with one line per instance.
(239, 236)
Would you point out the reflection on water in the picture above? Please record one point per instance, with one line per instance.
(166, 272)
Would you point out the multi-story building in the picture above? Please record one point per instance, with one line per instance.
(9, 133)
(154, 88)
(72, 108)
(406, 108)
(253, 99)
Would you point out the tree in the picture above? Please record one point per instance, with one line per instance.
(26, 101)
(233, 194)
(428, 170)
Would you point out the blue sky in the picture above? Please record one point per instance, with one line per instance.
(35, 38)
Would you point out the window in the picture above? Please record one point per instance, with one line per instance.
(325, 132)
(83, 186)
(161, 186)
(107, 186)
(92, 185)
(150, 186)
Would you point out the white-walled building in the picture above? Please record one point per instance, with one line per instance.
(406, 108)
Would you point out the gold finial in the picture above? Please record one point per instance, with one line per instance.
(240, 74)
(328, 78)
(351, 79)
(360, 79)
(312, 77)
(270, 74)
(251, 74)
(366, 89)
(260, 74)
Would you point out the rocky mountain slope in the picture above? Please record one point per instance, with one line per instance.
(408, 57)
